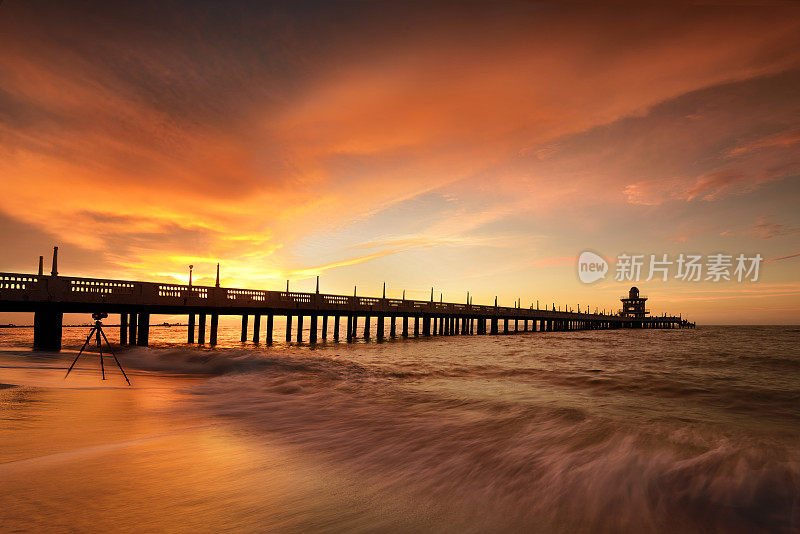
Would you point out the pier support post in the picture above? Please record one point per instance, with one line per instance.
(312, 333)
(392, 326)
(426, 326)
(416, 326)
(132, 329)
(325, 327)
(354, 335)
(336, 327)
(299, 328)
(123, 328)
(288, 328)
(505, 326)
(405, 326)
(244, 328)
(270, 320)
(349, 328)
(212, 336)
(494, 326)
(379, 327)
(143, 335)
(190, 332)
(256, 328)
(47, 323)
(366, 326)
(201, 329)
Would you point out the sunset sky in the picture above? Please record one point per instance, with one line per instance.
(476, 146)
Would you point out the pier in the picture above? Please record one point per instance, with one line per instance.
(49, 297)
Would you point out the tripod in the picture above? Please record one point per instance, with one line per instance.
(97, 331)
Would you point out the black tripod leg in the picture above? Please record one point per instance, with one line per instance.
(100, 349)
(115, 358)
(80, 352)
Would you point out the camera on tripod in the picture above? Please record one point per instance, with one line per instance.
(97, 332)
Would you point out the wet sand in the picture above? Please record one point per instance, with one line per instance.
(75, 456)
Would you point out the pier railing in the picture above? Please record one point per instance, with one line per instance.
(18, 290)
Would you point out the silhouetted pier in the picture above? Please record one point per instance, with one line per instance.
(337, 316)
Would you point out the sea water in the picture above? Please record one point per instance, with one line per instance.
(587, 431)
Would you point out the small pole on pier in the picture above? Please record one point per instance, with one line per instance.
(317, 290)
(190, 275)
(287, 286)
(41, 265)
(384, 290)
(404, 294)
(217, 285)
(54, 272)
(495, 301)
(431, 294)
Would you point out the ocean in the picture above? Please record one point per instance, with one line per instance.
(562, 432)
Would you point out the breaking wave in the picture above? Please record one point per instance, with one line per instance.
(528, 466)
